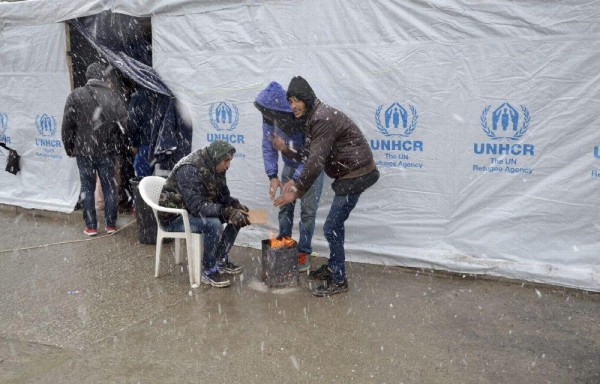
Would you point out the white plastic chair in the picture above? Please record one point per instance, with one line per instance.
(150, 188)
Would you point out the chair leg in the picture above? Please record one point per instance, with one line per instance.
(159, 241)
(178, 251)
(194, 253)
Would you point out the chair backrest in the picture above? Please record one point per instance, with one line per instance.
(150, 188)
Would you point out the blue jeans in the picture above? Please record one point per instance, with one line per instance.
(308, 211)
(334, 232)
(217, 241)
(104, 167)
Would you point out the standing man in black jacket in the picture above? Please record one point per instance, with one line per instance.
(334, 143)
(93, 128)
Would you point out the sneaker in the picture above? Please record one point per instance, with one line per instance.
(228, 267)
(322, 273)
(111, 230)
(331, 288)
(303, 262)
(214, 279)
(90, 231)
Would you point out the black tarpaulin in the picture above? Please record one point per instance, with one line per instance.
(111, 35)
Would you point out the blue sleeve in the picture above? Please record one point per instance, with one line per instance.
(270, 155)
(298, 171)
(192, 188)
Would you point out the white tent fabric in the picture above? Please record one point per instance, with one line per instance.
(35, 83)
(481, 118)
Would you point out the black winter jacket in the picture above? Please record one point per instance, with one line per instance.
(194, 185)
(94, 121)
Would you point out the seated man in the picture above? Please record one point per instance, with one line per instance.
(198, 184)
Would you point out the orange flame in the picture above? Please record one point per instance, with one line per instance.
(285, 242)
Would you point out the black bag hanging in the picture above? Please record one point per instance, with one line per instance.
(12, 161)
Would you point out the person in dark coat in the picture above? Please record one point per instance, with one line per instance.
(93, 130)
(142, 109)
(282, 133)
(334, 143)
(198, 184)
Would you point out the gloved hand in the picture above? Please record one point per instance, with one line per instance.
(239, 206)
(239, 218)
(228, 212)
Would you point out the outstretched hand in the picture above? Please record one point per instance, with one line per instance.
(279, 142)
(289, 186)
(273, 187)
(285, 198)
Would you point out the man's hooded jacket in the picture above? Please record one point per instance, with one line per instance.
(278, 118)
(333, 141)
(194, 184)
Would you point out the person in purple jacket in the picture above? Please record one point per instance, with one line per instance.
(281, 133)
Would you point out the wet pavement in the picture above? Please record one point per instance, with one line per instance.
(81, 310)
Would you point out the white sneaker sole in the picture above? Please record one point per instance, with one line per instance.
(232, 271)
(205, 280)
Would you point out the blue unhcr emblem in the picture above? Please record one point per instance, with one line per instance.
(3, 122)
(223, 117)
(505, 122)
(3, 126)
(396, 120)
(46, 125)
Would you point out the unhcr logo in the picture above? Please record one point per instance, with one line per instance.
(3, 122)
(509, 124)
(3, 127)
(596, 152)
(224, 118)
(505, 122)
(396, 121)
(46, 125)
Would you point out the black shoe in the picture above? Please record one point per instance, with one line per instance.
(214, 279)
(229, 267)
(321, 273)
(331, 288)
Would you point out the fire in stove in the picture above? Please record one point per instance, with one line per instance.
(280, 262)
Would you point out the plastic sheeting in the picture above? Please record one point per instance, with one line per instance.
(481, 117)
(34, 84)
(170, 137)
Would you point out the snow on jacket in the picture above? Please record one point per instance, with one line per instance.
(273, 104)
(194, 185)
(334, 143)
(94, 121)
